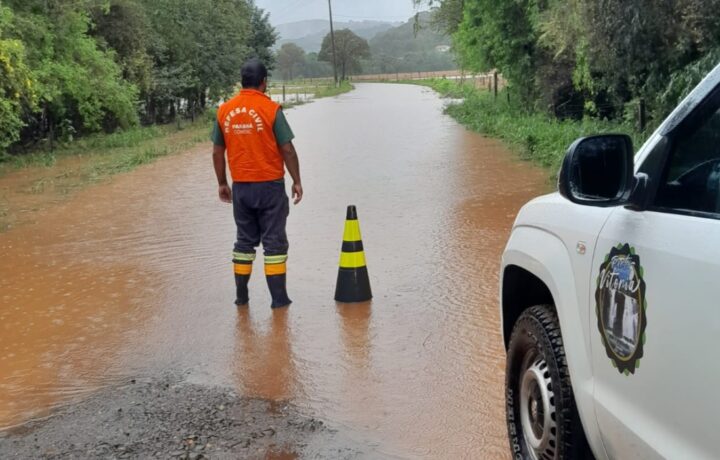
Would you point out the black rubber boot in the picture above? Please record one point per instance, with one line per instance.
(278, 291)
(241, 283)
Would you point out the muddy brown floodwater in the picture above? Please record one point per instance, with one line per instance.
(133, 278)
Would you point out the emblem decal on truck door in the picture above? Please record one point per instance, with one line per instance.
(621, 307)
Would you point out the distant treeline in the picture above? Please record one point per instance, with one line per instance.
(576, 58)
(415, 46)
(69, 68)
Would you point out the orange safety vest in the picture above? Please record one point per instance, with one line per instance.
(247, 122)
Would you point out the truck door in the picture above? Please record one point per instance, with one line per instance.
(657, 296)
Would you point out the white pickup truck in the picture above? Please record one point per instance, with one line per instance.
(610, 298)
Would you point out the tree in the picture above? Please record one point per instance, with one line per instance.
(71, 67)
(313, 68)
(201, 47)
(123, 26)
(503, 34)
(78, 85)
(410, 47)
(349, 47)
(16, 84)
(446, 14)
(263, 35)
(289, 58)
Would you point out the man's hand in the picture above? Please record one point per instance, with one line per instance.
(293, 166)
(224, 193)
(297, 193)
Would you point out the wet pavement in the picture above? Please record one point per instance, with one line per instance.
(133, 278)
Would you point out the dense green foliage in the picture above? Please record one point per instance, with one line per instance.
(71, 68)
(539, 137)
(578, 58)
(290, 60)
(418, 45)
(349, 50)
(314, 68)
(415, 46)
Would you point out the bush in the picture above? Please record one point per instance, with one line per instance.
(534, 136)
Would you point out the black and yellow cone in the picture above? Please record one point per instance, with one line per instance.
(353, 283)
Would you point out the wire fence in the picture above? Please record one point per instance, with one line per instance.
(480, 80)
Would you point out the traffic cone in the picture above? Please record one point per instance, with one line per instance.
(353, 283)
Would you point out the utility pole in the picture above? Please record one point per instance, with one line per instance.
(332, 39)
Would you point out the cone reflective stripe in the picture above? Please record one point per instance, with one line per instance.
(353, 283)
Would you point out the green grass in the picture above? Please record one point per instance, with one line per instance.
(128, 161)
(534, 136)
(129, 143)
(318, 88)
(330, 91)
(96, 142)
(73, 166)
(4, 212)
(51, 176)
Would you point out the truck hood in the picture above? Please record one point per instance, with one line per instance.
(566, 220)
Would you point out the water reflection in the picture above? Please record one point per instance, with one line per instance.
(355, 333)
(264, 365)
(130, 286)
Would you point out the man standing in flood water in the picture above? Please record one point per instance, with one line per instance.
(258, 140)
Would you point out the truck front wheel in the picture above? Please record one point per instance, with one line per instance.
(542, 419)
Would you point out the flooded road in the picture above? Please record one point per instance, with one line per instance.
(133, 278)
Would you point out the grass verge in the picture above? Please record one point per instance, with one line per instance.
(536, 137)
(125, 145)
(316, 90)
(34, 181)
(330, 91)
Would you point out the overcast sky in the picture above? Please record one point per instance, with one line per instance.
(282, 11)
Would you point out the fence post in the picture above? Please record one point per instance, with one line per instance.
(495, 84)
(283, 94)
(642, 120)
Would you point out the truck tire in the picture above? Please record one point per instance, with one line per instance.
(542, 418)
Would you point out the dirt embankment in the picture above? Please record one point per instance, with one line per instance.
(171, 419)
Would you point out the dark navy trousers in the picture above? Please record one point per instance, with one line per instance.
(261, 210)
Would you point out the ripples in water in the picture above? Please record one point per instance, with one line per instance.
(139, 282)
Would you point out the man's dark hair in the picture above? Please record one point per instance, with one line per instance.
(253, 73)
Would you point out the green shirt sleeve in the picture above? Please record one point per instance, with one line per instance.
(281, 128)
(217, 135)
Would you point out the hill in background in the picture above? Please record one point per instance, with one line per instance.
(309, 34)
(405, 49)
(412, 46)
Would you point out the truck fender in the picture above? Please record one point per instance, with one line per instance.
(545, 256)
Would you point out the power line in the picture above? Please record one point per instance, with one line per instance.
(291, 9)
(376, 18)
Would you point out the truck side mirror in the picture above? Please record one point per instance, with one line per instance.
(598, 171)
